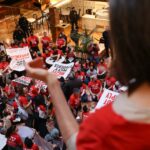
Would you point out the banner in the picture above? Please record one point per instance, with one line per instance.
(26, 81)
(23, 80)
(52, 60)
(61, 70)
(3, 141)
(19, 57)
(106, 98)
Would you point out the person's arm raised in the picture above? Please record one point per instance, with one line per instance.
(66, 121)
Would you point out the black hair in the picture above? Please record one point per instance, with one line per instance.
(28, 142)
(130, 34)
(85, 108)
(10, 131)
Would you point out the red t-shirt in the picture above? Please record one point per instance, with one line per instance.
(109, 131)
(95, 86)
(80, 75)
(34, 147)
(57, 52)
(23, 100)
(45, 41)
(60, 42)
(3, 65)
(10, 92)
(24, 44)
(14, 140)
(15, 105)
(74, 101)
(33, 41)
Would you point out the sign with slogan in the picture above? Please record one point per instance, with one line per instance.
(19, 57)
(52, 60)
(61, 70)
(3, 141)
(27, 80)
(107, 97)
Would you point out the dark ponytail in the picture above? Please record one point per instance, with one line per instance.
(10, 131)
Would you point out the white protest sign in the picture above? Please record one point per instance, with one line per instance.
(19, 57)
(52, 60)
(3, 141)
(107, 97)
(61, 70)
(23, 80)
(27, 80)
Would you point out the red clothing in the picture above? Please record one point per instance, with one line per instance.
(95, 86)
(24, 44)
(34, 147)
(14, 46)
(85, 115)
(45, 41)
(3, 65)
(70, 55)
(10, 92)
(109, 131)
(14, 140)
(23, 100)
(15, 105)
(80, 75)
(57, 52)
(74, 101)
(60, 42)
(33, 41)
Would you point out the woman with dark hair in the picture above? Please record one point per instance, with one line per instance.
(14, 141)
(124, 124)
(29, 145)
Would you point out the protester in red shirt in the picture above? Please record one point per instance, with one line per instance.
(29, 145)
(10, 92)
(110, 83)
(85, 113)
(57, 52)
(95, 85)
(80, 75)
(13, 139)
(24, 43)
(45, 42)
(33, 42)
(74, 101)
(60, 43)
(24, 102)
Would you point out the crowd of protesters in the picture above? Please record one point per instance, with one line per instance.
(33, 105)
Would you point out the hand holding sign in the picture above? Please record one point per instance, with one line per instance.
(35, 70)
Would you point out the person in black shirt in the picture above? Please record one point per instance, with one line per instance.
(18, 35)
(106, 41)
(24, 25)
(73, 18)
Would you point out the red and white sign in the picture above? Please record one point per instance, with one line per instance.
(27, 80)
(61, 70)
(19, 57)
(107, 98)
